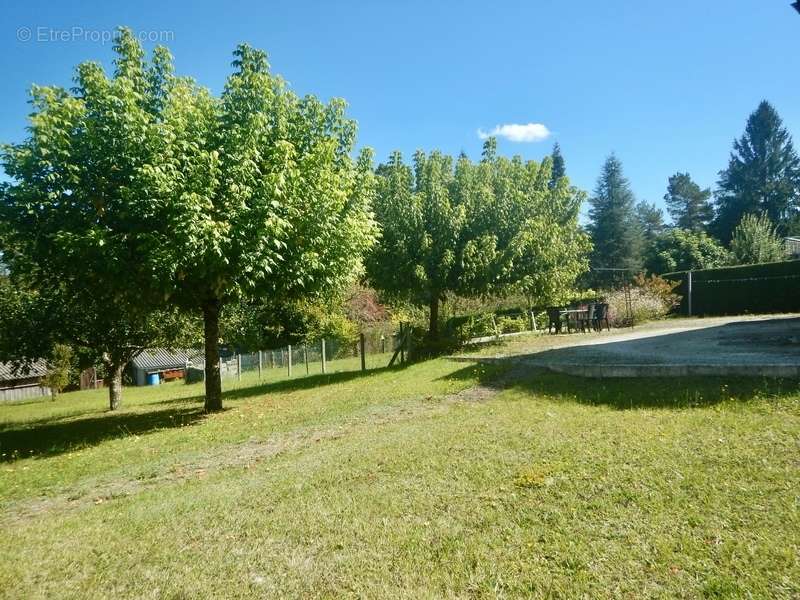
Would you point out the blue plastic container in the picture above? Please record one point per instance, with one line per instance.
(153, 379)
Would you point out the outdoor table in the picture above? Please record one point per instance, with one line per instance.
(576, 314)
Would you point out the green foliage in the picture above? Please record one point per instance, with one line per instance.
(647, 302)
(476, 326)
(512, 324)
(755, 240)
(763, 175)
(559, 169)
(763, 288)
(259, 195)
(689, 206)
(659, 287)
(70, 228)
(615, 229)
(143, 191)
(651, 220)
(683, 249)
(474, 229)
(59, 369)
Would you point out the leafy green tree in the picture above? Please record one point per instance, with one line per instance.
(763, 175)
(255, 195)
(689, 206)
(69, 232)
(59, 369)
(95, 324)
(423, 229)
(755, 240)
(474, 229)
(651, 220)
(685, 249)
(541, 248)
(615, 229)
(559, 168)
(143, 192)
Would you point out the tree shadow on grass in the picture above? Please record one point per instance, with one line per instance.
(64, 433)
(67, 434)
(482, 373)
(653, 393)
(298, 383)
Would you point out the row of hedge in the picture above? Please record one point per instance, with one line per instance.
(762, 288)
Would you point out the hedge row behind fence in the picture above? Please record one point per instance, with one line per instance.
(763, 288)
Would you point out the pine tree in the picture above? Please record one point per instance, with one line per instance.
(689, 206)
(559, 168)
(651, 220)
(763, 175)
(614, 227)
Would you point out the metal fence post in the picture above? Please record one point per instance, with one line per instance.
(305, 356)
(260, 365)
(289, 359)
(383, 344)
(362, 344)
(689, 288)
(239, 367)
(324, 370)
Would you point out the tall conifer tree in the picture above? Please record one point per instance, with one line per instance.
(559, 166)
(689, 206)
(614, 226)
(763, 175)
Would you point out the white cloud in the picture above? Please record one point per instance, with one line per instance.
(515, 132)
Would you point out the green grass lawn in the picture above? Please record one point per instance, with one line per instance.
(435, 480)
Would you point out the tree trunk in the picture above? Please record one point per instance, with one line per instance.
(115, 386)
(211, 311)
(433, 326)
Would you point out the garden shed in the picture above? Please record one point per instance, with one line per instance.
(156, 365)
(19, 383)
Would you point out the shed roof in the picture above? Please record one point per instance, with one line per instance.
(10, 371)
(154, 359)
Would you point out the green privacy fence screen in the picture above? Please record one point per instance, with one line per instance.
(746, 289)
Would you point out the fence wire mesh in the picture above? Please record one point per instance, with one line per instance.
(317, 357)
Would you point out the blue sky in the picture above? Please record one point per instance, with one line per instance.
(666, 85)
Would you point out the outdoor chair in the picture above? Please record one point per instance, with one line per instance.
(587, 320)
(600, 317)
(554, 319)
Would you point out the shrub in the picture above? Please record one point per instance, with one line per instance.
(59, 368)
(648, 301)
(681, 249)
(472, 326)
(755, 240)
(422, 347)
(512, 324)
(660, 287)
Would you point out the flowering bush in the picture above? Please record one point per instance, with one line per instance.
(651, 298)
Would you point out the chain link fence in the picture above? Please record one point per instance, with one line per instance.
(372, 349)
